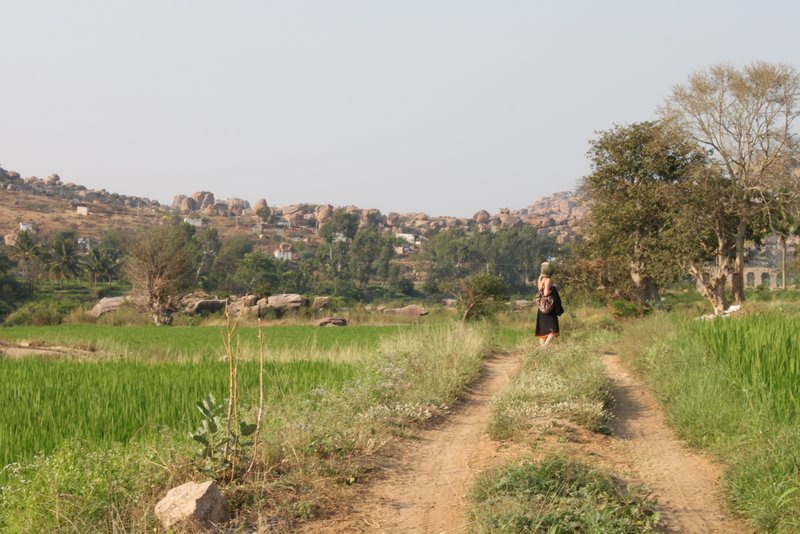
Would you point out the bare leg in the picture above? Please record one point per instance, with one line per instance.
(547, 339)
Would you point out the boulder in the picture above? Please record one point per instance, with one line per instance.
(393, 219)
(188, 204)
(332, 321)
(324, 213)
(320, 303)
(238, 204)
(249, 300)
(522, 304)
(193, 502)
(107, 304)
(203, 199)
(206, 306)
(260, 204)
(286, 301)
(412, 310)
(370, 217)
(482, 217)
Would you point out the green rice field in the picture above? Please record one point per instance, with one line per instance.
(138, 379)
(197, 342)
(49, 401)
(761, 354)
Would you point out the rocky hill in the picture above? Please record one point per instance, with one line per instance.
(49, 204)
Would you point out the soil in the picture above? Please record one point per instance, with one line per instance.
(424, 491)
(685, 484)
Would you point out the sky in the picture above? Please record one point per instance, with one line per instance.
(445, 107)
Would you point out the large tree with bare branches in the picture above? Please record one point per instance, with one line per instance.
(746, 117)
(161, 266)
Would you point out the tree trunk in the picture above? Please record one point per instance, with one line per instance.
(782, 240)
(737, 280)
(646, 287)
(714, 289)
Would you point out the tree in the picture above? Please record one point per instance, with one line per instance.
(746, 118)
(62, 259)
(257, 273)
(703, 231)
(96, 263)
(10, 289)
(363, 254)
(343, 225)
(160, 265)
(634, 169)
(264, 213)
(478, 295)
(26, 251)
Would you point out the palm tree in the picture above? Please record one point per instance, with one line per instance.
(26, 251)
(62, 258)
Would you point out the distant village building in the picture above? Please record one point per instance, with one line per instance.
(284, 252)
(83, 211)
(197, 222)
(411, 239)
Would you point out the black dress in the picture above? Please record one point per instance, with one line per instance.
(547, 323)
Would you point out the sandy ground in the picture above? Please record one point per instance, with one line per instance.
(685, 484)
(425, 491)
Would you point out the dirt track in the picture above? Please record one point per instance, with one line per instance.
(685, 484)
(425, 491)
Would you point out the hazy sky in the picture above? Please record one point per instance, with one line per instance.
(440, 106)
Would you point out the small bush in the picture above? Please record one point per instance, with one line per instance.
(558, 495)
(125, 315)
(35, 314)
(80, 316)
(625, 309)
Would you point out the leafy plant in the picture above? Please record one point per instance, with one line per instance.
(215, 439)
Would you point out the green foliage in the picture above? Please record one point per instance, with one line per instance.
(62, 256)
(343, 225)
(512, 254)
(762, 356)
(40, 313)
(632, 193)
(257, 273)
(82, 488)
(730, 386)
(212, 437)
(110, 401)
(625, 309)
(558, 495)
(479, 295)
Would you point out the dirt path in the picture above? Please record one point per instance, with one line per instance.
(685, 484)
(425, 491)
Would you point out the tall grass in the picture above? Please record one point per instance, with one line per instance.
(317, 437)
(761, 355)
(563, 381)
(47, 402)
(153, 343)
(730, 386)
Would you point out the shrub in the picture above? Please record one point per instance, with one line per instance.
(35, 314)
(558, 495)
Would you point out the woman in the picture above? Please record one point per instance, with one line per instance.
(547, 323)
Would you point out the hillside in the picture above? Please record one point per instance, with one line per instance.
(49, 205)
